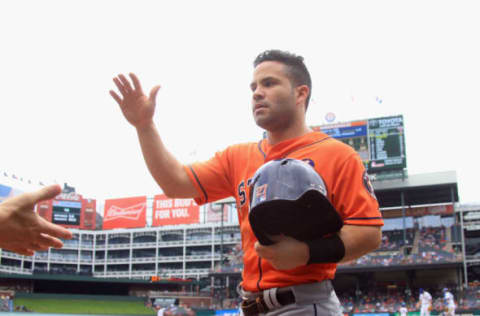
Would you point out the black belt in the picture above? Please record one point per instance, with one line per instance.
(258, 306)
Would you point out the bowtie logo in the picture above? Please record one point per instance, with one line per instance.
(131, 213)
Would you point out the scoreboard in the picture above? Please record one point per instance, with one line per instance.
(66, 212)
(69, 210)
(380, 142)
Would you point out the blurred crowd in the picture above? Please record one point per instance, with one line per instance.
(6, 303)
(388, 300)
(410, 247)
(424, 246)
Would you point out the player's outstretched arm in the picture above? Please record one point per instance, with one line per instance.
(22, 230)
(139, 109)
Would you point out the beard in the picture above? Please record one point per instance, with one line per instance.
(276, 117)
(273, 123)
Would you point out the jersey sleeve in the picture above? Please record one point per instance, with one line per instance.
(211, 178)
(354, 197)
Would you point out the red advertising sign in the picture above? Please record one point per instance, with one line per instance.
(89, 218)
(125, 213)
(44, 209)
(168, 211)
(214, 215)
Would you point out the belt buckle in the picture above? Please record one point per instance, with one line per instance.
(253, 307)
(261, 308)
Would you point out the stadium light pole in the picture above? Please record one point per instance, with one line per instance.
(219, 206)
(402, 200)
(462, 232)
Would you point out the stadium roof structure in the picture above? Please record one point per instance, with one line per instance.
(419, 189)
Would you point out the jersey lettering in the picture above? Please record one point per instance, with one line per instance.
(368, 184)
(241, 193)
(329, 158)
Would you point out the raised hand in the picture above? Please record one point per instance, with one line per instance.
(24, 231)
(137, 108)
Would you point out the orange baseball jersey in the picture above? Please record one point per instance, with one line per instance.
(230, 171)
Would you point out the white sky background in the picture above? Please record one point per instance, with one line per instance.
(58, 58)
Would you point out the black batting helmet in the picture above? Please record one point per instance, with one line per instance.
(287, 196)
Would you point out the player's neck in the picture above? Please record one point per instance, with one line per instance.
(275, 137)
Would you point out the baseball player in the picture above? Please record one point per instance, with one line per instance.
(290, 277)
(403, 309)
(425, 302)
(449, 302)
(160, 310)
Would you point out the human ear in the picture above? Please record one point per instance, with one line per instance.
(302, 93)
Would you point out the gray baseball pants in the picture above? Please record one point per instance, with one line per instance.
(316, 299)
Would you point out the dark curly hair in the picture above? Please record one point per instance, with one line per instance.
(295, 67)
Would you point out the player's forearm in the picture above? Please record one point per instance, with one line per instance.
(359, 240)
(167, 171)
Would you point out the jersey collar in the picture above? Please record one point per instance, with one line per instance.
(284, 148)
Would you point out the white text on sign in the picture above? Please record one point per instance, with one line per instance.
(173, 213)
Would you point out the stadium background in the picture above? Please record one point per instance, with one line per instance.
(151, 249)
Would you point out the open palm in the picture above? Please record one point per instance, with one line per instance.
(137, 108)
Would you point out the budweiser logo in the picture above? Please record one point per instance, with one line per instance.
(131, 213)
